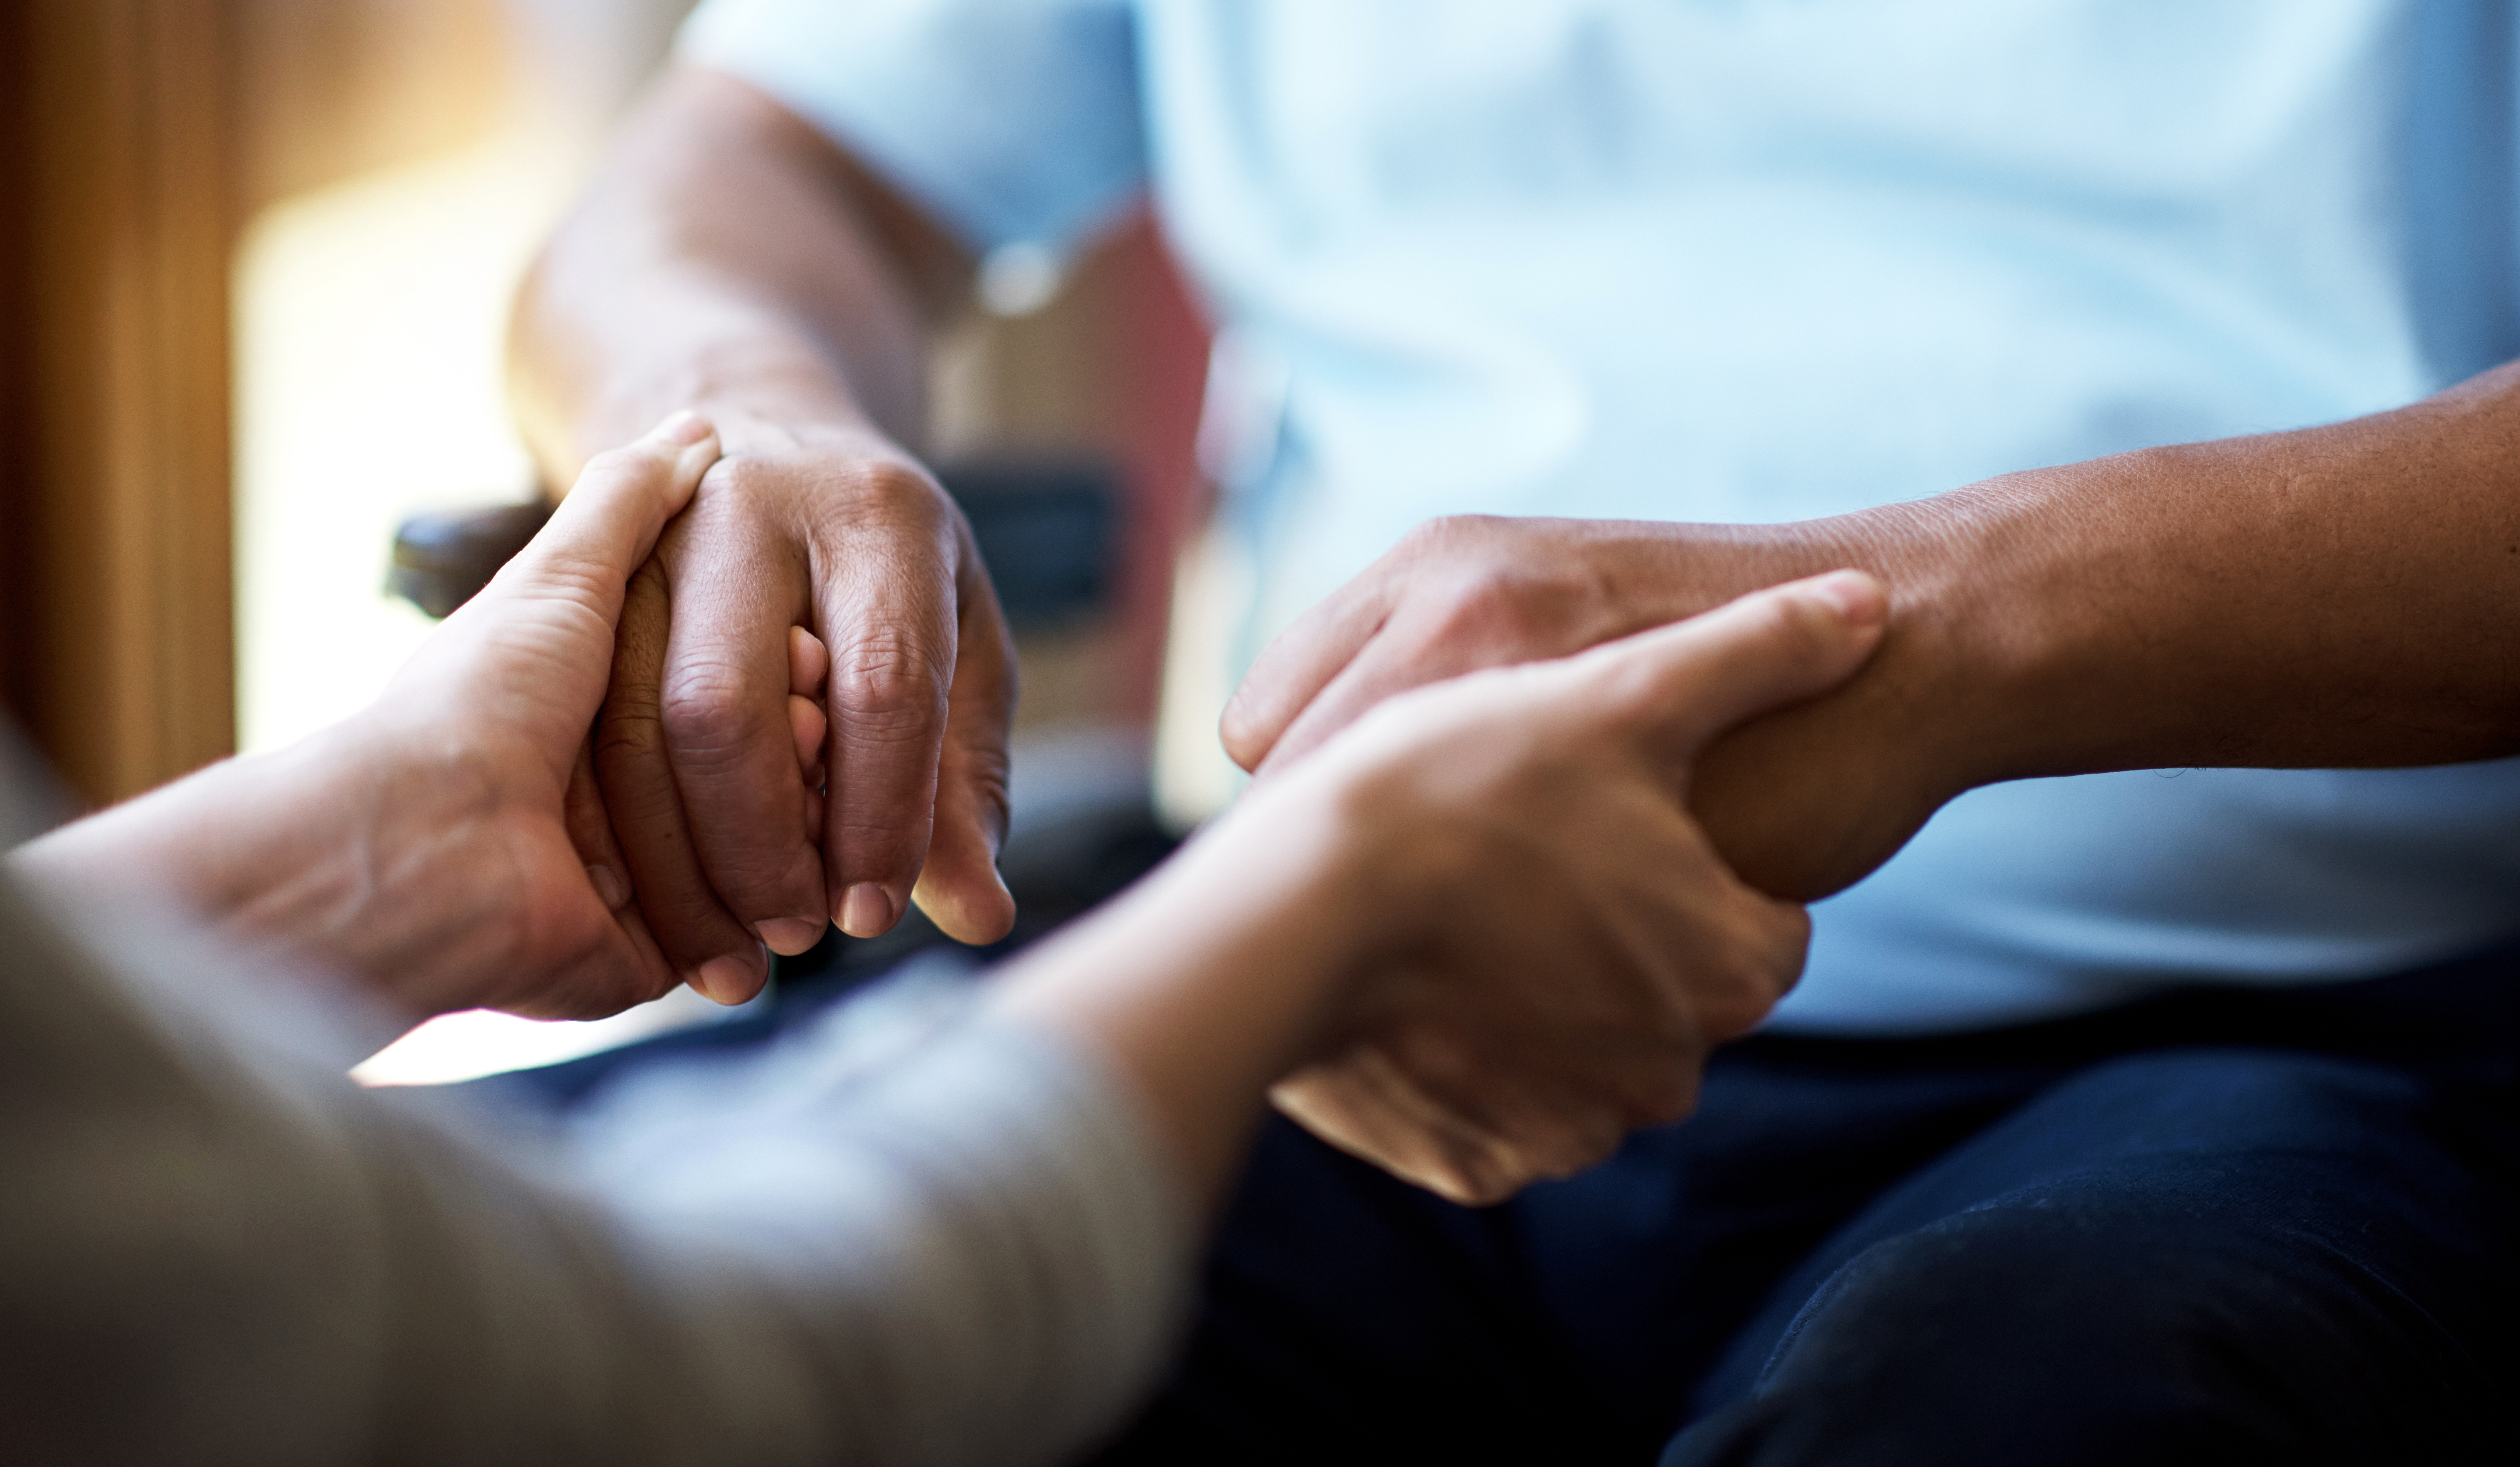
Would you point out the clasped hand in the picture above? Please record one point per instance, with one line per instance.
(1556, 945)
(1566, 945)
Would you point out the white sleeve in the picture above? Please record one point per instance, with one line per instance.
(964, 1249)
(1010, 119)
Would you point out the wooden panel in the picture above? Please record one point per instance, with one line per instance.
(125, 650)
(18, 374)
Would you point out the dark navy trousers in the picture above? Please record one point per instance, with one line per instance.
(2214, 1228)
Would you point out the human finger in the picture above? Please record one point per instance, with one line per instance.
(809, 663)
(701, 940)
(738, 585)
(1397, 658)
(610, 519)
(1368, 1107)
(808, 726)
(530, 651)
(1689, 681)
(889, 615)
(1302, 661)
(621, 967)
(959, 887)
(590, 833)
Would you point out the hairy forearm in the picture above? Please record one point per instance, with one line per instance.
(730, 258)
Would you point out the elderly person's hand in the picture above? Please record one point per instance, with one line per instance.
(1561, 945)
(730, 257)
(1802, 806)
(445, 849)
(730, 846)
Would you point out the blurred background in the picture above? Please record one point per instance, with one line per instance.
(253, 284)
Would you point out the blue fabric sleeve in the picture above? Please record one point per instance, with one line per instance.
(1011, 120)
(912, 1235)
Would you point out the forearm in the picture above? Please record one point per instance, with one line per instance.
(2336, 596)
(726, 258)
(313, 852)
(969, 1251)
(1212, 979)
(2339, 596)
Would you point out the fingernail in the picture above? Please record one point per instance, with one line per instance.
(684, 427)
(1858, 597)
(789, 935)
(729, 980)
(866, 911)
(609, 888)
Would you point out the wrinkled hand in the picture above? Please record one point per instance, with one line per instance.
(1568, 946)
(731, 841)
(1802, 805)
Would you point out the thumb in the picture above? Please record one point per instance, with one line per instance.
(1693, 680)
(611, 517)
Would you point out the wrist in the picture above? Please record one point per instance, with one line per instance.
(1206, 983)
(1950, 698)
(2016, 604)
(224, 844)
(763, 382)
(365, 852)
(1805, 801)
(750, 429)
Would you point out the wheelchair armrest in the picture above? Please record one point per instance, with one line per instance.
(440, 559)
(1047, 529)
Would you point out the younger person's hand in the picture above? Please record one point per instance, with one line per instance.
(501, 702)
(445, 849)
(1478, 937)
(1563, 945)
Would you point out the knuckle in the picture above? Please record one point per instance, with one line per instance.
(623, 459)
(888, 690)
(1489, 610)
(1449, 534)
(987, 780)
(859, 488)
(708, 711)
(894, 483)
(1788, 945)
(893, 495)
(1793, 629)
(633, 728)
(1767, 956)
(746, 478)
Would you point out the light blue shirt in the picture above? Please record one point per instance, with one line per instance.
(1767, 259)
